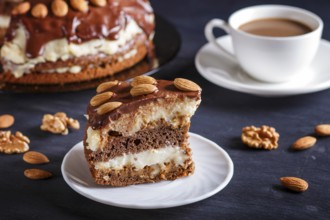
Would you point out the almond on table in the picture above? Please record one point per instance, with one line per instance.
(6, 121)
(34, 157)
(294, 183)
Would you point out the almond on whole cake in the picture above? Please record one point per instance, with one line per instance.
(67, 41)
(138, 132)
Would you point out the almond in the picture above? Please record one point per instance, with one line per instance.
(304, 143)
(39, 11)
(323, 129)
(106, 85)
(108, 107)
(143, 89)
(101, 98)
(60, 8)
(6, 121)
(79, 5)
(99, 3)
(143, 80)
(294, 183)
(33, 157)
(37, 174)
(186, 85)
(21, 8)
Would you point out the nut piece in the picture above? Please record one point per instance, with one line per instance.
(186, 85)
(6, 121)
(60, 8)
(143, 80)
(143, 89)
(265, 137)
(304, 143)
(106, 85)
(21, 8)
(37, 174)
(34, 157)
(101, 98)
(79, 5)
(10, 144)
(100, 3)
(58, 123)
(294, 183)
(108, 107)
(323, 129)
(39, 11)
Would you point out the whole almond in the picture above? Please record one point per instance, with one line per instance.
(143, 80)
(106, 85)
(37, 174)
(6, 121)
(99, 3)
(108, 107)
(294, 183)
(143, 89)
(79, 5)
(304, 143)
(33, 157)
(186, 85)
(39, 11)
(21, 8)
(323, 129)
(101, 98)
(60, 8)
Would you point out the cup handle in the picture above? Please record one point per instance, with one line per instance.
(208, 31)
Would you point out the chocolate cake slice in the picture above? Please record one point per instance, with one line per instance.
(138, 132)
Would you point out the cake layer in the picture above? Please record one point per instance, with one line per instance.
(149, 174)
(89, 67)
(103, 148)
(136, 112)
(61, 51)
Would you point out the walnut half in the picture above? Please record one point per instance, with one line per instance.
(10, 143)
(58, 123)
(264, 137)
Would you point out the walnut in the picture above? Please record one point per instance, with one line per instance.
(10, 143)
(264, 137)
(58, 123)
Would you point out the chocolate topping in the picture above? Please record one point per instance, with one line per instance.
(78, 27)
(166, 89)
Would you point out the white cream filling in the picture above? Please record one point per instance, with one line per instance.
(4, 21)
(146, 158)
(93, 139)
(77, 69)
(61, 49)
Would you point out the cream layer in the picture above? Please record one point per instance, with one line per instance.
(13, 52)
(146, 158)
(4, 21)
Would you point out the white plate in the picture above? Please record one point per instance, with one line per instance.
(223, 71)
(214, 169)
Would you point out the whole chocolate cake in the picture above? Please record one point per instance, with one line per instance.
(62, 41)
(138, 132)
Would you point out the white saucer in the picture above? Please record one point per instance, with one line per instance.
(214, 169)
(218, 68)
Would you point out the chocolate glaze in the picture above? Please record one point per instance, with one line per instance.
(130, 103)
(78, 27)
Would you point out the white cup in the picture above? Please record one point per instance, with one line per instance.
(270, 59)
